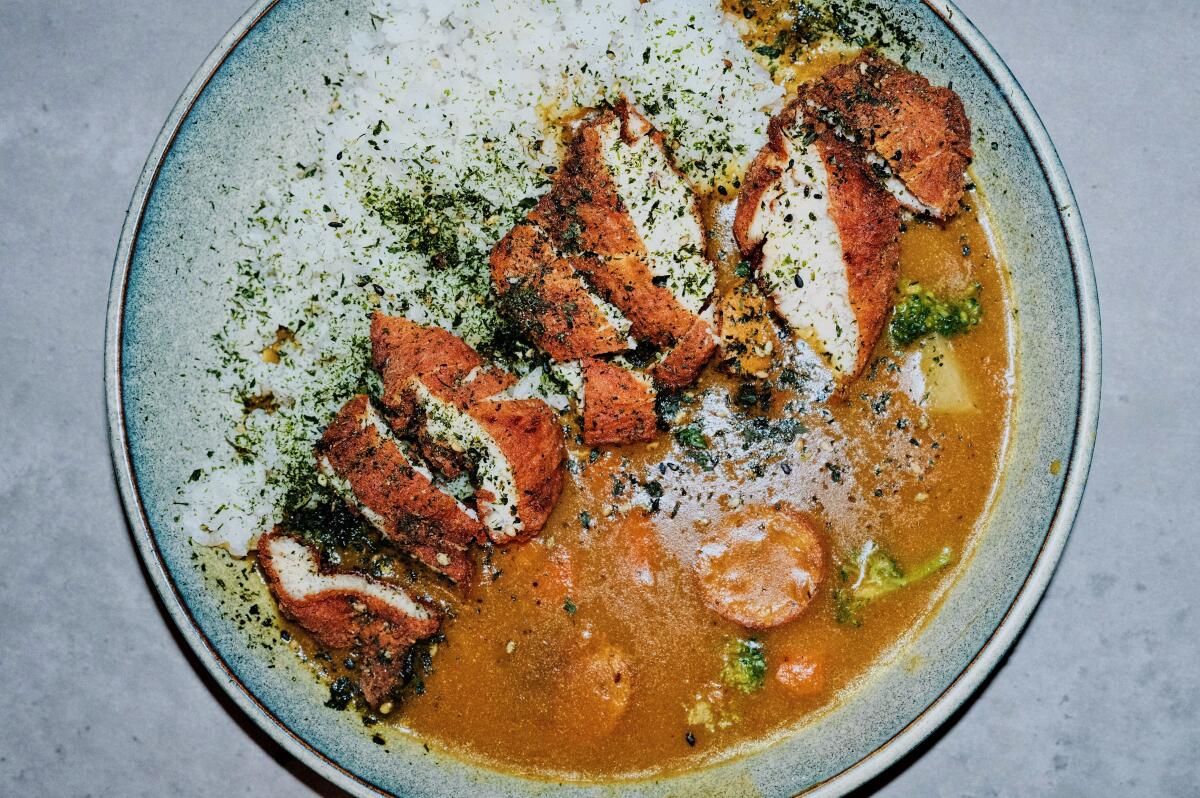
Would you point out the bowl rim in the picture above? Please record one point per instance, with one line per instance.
(872, 764)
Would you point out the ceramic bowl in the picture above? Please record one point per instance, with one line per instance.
(222, 133)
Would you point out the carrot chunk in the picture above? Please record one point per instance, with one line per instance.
(762, 566)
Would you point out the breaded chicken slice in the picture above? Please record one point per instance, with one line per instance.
(550, 301)
(449, 367)
(450, 401)
(917, 135)
(824, 238)
(396, 493)
(525, 439)
(618, 405)
(681, 364)
(627, 220)
(378, 621)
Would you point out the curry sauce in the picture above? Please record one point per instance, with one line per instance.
(613, 570)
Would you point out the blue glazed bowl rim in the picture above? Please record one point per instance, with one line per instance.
(874, 763)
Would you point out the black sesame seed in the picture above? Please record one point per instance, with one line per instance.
(798, 280)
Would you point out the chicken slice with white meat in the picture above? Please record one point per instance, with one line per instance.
(824, 238)
(375, 620)
(440, 390)
(389, 485)
(916, 135)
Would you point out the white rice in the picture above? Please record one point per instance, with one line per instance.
(440, 97)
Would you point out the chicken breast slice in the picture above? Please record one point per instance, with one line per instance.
(681, 364)
(448, 399)
(396, 493)
(824, 238)
(529, 437)
(447, 365)
(660, 205)
(378, 621)
(625, 218)
(917, 135)
(549, 300)
(516, 451)
(618, 405)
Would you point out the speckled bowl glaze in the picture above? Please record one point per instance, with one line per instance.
(222, 134)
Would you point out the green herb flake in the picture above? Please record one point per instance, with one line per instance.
(692, 436)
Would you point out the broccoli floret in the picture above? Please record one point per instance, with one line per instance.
(745, 665)
(921, 313)
(872, 573)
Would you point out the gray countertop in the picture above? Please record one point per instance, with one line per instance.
(1101, 695)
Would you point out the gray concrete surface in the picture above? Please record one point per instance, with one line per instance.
(97, 697)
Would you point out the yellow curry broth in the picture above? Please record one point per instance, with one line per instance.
(510, 683)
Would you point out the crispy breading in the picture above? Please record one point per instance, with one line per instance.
(453, 371)
(397, 496)
(375, 620)
(585, 221)
(402, 351)
(919, 130)
(684, 362)
(583, 210)
(548, 300)
(618, 405)
(654, 314)
(454, 381)
(867, 218)
(530, 437)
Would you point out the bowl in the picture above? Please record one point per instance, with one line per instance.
(219, 138)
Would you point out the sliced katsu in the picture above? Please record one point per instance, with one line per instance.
(618, 405)
(623, 220)
(549, 300)
(441, 391)
(376, 621)
(823, 236)
(917, 135)
(404, 352)
(396, 493)
(630, 223)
